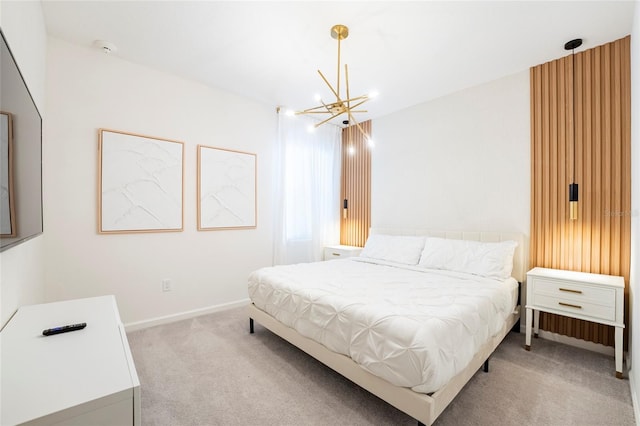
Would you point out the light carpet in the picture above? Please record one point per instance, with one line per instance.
(210, 371)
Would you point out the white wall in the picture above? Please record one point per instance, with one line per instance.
(460, 162)
(21, 267)
(88, 90)
(634, 278)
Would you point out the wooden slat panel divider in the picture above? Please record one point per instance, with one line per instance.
(600, 240)
(356, 185)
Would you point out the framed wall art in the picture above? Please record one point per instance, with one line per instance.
(140, 183)
(226, 189)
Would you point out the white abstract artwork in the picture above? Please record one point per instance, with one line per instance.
(141, 183)
(7, 227)
(226, 189)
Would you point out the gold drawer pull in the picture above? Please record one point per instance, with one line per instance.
(570, 290)
(570, 305)
(335, 254)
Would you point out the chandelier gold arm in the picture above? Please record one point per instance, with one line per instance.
(352, 118)
(330, 86)
(327, 119)
(310, 111)
(346, 81)
(357, 98)
(357, 105)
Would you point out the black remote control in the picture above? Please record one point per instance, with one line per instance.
(64, 329)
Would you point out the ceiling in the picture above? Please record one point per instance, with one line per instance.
(409, 52)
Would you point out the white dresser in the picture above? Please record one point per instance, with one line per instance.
(591, 297)
(340, 251)
(83, 377)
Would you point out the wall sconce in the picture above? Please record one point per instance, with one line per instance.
(573, 186)
(344, 208)
(573, 201)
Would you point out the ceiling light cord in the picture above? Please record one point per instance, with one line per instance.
(573, 108)
(573, 186)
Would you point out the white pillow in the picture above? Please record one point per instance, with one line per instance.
(492, 260)
(394, 248)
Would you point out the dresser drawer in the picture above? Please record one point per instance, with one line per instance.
(575, 307)
(579, 293)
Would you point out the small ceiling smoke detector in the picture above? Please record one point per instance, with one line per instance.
(105, 46)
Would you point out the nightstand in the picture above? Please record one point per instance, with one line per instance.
(591, 297)
(340, 251)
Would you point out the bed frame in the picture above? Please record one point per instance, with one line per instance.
(424, 408)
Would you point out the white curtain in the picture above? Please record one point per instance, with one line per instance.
(307, 189)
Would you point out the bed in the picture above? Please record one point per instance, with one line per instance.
(410, 320)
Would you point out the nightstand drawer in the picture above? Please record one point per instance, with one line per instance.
(341, 251)
(575, 307)
(579, 293)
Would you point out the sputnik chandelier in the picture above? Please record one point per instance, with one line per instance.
(348, 105)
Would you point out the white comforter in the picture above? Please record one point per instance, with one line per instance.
(414, 328)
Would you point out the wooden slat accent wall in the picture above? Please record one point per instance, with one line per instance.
(599, 240)
(356, 186)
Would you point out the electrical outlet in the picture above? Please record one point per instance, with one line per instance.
(166, 285)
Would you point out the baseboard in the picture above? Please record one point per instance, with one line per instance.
(571, 341)
(634, 397)
(139, 325)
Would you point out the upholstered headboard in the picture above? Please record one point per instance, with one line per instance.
(519, 258)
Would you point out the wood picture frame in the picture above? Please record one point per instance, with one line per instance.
(140, 183)
(8, 226)
(227, 195)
